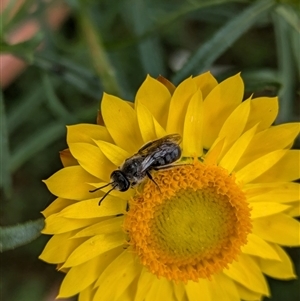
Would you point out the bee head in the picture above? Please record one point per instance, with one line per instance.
(118, 182)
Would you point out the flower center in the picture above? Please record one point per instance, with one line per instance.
(193, 226)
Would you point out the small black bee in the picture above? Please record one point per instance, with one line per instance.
(154, 155)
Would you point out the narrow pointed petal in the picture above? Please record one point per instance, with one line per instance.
(156, 97)
(247, 272)
(196, 289)
(282, 269)
(262, 209)
(71, 183)
(193, 127)
(218, 105)
(146, 123)
(257, 246)
(56, 206)
(92, 159)
(206, 82)
(121, 122)
(232, 157)
(56, 224)
(223, 288)
(119, 274)
(145, 282)
(86, 133)
(263, 111)
(90, 208)
(107, 226)
(67, 159)
(246, 294)
(93, 247)
(285, 170)
(259, 166)
(160, 290)
(234, 125)
(59, 247)
(178, 106)
(275, 192)
(280, 228)
(115, 154)
(269, 140)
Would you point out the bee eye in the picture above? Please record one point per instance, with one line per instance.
(120, 181)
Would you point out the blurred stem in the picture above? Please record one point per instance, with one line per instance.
(286, 65)
(101, 63)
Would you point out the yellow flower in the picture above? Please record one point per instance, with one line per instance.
(210, 228)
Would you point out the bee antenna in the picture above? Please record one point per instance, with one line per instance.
(114, 186)
(96, 189)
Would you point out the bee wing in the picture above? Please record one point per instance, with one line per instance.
(152, 146)
(156, 149)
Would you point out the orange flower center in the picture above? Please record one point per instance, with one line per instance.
(192, 226)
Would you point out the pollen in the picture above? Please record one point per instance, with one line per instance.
(192, 225)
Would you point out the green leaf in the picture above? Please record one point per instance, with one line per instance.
(223, 39)
(5, 178)
(138, 16)
(36, 143)
(19, 235)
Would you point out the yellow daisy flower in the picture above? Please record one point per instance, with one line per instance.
(210, 227)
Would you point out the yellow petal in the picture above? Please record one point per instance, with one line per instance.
(178, 106)
(56, 206)
(166, 83)
(146, 123)
(87, 294)
(179, 291)
(282, 269)
(92, 159)
(121, 122)
(247, 273)
(206, 82)
(212, 156)
(59, 247)
(74, 283)
(56, 224)
(67, 159)
(156, 97)
(256, 246)
(218, 105)
(271, 139)
(196, 289)
(294, 211)
(93, 247)
(192, 133)
(70, 183)
(234, 125)
(113, 153)
(160, 290)
(86, 133)
(145, 282)
(90, 208)
(232, 157)
(223, 288)
(275, 192)
(285, 170)
(262, 209)
(246, 294)
(259, 166)
(118, 274)
(280, 228)
(263, 111)
(110, 225)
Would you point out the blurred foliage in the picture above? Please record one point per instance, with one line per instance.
(111, 47)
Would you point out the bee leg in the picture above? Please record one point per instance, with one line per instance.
(151, 178)
(163, 167)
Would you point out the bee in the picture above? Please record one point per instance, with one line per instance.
(154, 155)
